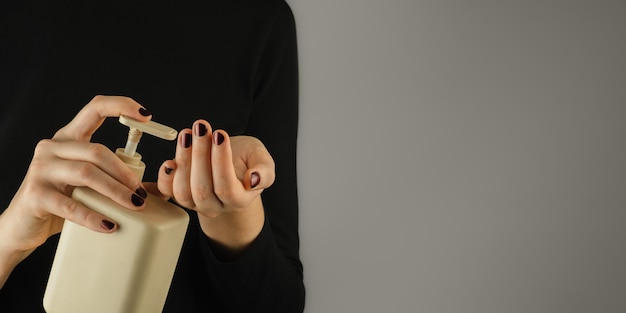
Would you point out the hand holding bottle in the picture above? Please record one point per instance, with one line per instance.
(59, 164)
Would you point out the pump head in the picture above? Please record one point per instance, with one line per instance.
(150, 127)
(129, 154)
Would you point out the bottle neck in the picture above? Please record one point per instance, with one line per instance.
(132, 161)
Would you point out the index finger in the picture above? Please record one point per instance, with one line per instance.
(92, 115)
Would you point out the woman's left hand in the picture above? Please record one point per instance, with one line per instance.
(220, 177)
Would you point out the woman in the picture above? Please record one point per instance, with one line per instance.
(224, 72)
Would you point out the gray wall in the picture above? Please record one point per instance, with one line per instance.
(463, 156)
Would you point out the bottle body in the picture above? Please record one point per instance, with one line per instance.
(129, 270)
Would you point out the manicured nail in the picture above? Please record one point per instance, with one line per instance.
(255, 179)
(187, 140)
(168, 170)
(218, 138)
(137, 200)
(200, 129)
(141, 192)
(144, 112)
(108, 225)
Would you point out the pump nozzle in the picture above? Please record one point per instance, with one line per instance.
(150, 127)
(129, 153)
(137, 128)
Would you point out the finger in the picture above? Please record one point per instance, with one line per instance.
(181, 189)
(92, 115)
(72, 210)
(93, 153)
(201, 178)
(165, 178)
(77, 173)
(261, 170)
(230, 190)
(260, 173)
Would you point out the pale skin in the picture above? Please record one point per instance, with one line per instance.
(219, 177)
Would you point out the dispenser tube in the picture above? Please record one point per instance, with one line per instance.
(134, 135)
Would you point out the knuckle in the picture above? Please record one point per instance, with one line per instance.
(130, 179)
(183, 198)
(42, 147)
(254, 141)
(98, 103)
(69, 209)
(224, 193)
(97, 98)
(84, 170)
(31, 193)
(37, 166)
(97, 151)
(202, 193)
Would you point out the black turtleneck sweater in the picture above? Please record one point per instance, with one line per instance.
(231, 62)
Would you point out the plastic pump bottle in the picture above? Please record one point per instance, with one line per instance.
(130, 270)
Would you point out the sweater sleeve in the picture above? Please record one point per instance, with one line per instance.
(269, 276)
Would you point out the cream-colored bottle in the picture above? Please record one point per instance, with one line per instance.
(130, 270)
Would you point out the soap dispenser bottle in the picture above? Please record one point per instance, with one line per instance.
(127, 271)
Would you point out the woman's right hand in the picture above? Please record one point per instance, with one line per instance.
(60, 164)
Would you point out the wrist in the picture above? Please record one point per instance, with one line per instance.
(10, 255)
(231, 233)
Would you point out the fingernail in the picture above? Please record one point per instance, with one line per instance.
(255, 179)
(144, 112)
(108, 225)
(200, 129)
(168, 170)
(218, 138)
(187, 140)
(141, 192)
(137, 200)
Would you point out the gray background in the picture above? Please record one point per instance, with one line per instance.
(463, 156)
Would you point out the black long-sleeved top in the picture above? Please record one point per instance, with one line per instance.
(231, 62)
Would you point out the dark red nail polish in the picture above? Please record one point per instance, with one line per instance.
(219, 138)
(137, 200)
(108, 225)
(144, 112)
(187, 140)
(168, 170)
(141, 192)
(200, 129)
(255, 179)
